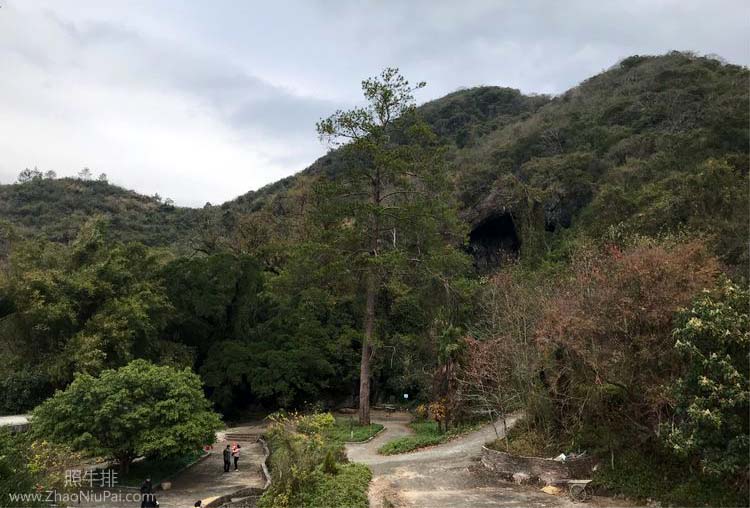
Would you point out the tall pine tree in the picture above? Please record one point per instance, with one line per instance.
(389, 218)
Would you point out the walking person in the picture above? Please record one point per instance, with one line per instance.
(148, 499)
(236, 455)
(227, 459)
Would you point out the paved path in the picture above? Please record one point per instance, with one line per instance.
(15, 421)
(207, 479)
(443, 476)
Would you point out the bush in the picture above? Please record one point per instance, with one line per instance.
(28, 465)
(713, 394)
(22, 391)
(16, 474)
(661, 476)
(309, 468)
(348, 488)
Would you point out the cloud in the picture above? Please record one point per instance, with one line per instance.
(205, 101)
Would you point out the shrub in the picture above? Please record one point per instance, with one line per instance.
(137, 410)
(607, 333)
(306, 466)
(22, 391)
(713, 394)
(347, 488)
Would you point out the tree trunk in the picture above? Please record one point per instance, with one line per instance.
(364, 366)
(124, 465)
(371, 291)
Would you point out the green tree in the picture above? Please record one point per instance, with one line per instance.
(137, 410)
(390, 219)
(82, 307)
(215, 298)
(713, 394)
(302, 351)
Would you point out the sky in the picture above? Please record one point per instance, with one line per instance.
(204, 101)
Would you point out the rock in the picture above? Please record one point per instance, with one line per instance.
(552, 490)
(521, 478)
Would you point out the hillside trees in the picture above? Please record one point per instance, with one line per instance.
(607, 331)
(81, 307)
(389, 221)
(301, 352)
(215, 298)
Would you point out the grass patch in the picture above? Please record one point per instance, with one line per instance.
(344, 430)
(425, 434)
(156, 468)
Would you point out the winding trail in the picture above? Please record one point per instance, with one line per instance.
(442, 476)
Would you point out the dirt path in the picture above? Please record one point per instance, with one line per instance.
(443, 476)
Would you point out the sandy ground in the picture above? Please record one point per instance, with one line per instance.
(444, 476)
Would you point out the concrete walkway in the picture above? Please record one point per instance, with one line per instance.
(16, 422)
(443, 476)
(207, 479)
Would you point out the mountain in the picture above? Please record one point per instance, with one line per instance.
(653, 145)
(56, 208)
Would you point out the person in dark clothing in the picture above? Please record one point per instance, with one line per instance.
(148, 499)
(227, 459)
(146, 487)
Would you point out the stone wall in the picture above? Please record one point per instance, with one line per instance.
(538, 469)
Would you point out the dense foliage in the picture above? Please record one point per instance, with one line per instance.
(81, 307)
(713, 394)
(57, 208)
(309, 468)
(137, 410)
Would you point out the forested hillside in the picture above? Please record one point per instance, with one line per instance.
(581, 257)
(630, 150)
(652, 145)
(57, 208)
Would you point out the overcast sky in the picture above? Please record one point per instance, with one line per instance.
(203, 101)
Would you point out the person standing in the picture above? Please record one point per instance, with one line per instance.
(236, 455)
(227, 459)
(148, 499)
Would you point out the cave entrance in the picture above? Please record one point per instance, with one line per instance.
(493, 241)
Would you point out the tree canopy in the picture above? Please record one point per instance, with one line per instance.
(137, 410)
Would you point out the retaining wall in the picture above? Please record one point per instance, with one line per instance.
(539, 469)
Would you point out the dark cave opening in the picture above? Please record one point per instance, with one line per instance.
(493, 241)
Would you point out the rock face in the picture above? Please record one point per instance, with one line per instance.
(535, 469)
(522, 478)
(493, 241)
